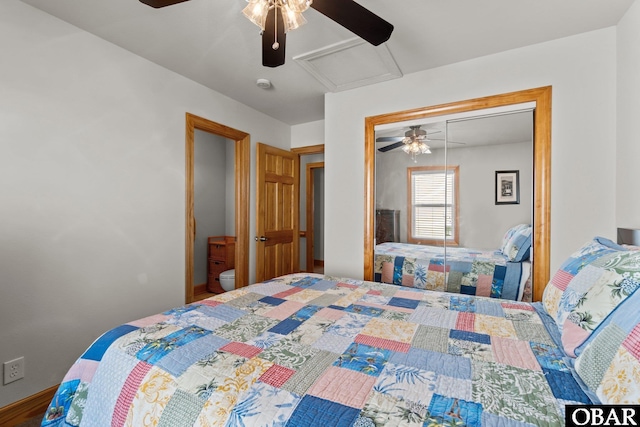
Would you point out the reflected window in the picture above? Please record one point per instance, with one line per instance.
(433, 204)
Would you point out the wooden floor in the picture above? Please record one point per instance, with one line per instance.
(33, 422)
(204, 295)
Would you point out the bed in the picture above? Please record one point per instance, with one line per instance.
(503, 273)
(311, 350)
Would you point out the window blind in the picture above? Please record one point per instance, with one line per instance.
(433, 197)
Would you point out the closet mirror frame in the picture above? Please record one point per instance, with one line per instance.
(541, 170)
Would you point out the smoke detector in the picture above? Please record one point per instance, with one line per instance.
(263, 83)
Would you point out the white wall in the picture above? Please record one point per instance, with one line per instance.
(210, 207)
(628, 127)
(582, 71)
(230, 191)
(307, 134)
(92, 143)
(318, 224)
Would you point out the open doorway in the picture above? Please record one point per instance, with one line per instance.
(311, 208)
(213, 211)
(239, 241)
(315, 217)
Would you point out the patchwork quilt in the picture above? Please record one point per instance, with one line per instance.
(466, 271)
(309, 350)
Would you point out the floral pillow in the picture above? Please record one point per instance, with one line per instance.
(609, 363)
(567, 285)
(615, 277)
(518, 248)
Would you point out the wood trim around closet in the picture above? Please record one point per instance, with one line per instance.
(541, 171)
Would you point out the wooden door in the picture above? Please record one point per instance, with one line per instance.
(277, 208)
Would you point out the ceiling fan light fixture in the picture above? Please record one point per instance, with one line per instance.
(292, 19)
(290, 10)
(298, 6)
(256, 11)
(414, 146)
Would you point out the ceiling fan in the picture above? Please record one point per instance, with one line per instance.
(415, 133)
(347, 13)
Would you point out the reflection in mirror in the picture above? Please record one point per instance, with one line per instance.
(480, 146)
(435, 186)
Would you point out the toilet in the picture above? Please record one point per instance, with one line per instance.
(228, 280)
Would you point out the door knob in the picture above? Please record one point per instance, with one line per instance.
(261, 239)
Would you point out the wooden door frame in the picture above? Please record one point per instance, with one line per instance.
(541, 171)
(242, 178)
(308, 233)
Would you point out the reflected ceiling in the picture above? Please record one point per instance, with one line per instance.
(465, 133)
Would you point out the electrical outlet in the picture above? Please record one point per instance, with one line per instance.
(13, 370)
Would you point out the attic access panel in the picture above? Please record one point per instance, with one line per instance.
(350, 64)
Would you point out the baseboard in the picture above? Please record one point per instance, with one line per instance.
(318, 262)
(29, 407)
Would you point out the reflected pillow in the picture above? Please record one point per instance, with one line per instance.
(518, 248)
(509, 234)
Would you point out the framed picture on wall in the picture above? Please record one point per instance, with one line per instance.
(507, 187)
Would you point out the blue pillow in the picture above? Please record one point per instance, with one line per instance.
(610, 244)
(518, 248)
(509, 234)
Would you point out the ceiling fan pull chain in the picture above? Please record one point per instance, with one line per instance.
(275, 45)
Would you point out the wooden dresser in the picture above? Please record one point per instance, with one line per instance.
(221, 252)
(387, 226)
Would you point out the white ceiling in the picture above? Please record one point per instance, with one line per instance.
(211, 42)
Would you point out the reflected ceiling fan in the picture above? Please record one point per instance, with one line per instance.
(277, 17)
(415, 135)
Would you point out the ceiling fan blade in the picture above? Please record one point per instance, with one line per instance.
(161, 3)
(273, 57)
(389, 138)
(390, 147)
(356, 19)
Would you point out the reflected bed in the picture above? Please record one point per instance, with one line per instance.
(502, 273)
(469, 271)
